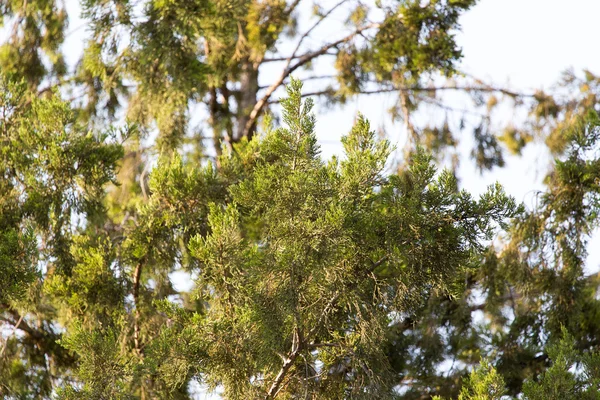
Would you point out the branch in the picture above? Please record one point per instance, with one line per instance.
(305, 79)
(258, 107)
(378, 263)
(453, 109)
(315, 25)
(136, 293)
(275, 59)
(25, 327)
(298, 344)
(292, 7)
(317, 345)
(276, 386)
(332, 91)
(304, 36)
(41, 337)
(325, 311)
(15, 327)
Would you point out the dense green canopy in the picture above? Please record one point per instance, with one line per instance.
(140, 260)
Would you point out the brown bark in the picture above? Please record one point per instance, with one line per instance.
(247, 101)
(136, 317)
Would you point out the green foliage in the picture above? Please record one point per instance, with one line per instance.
(487, 152)
(484, 383)
(34, 43)
(91, 292)
(302, 266)
(306, 278)
(102, 367)
(540, 278)
(308, 257)
(17, 260)
(53, 173)
(412, 40)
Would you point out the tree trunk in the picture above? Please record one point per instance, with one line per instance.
(246, 99)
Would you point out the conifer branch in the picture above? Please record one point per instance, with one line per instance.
(276, 386)
(482, 89)
(297, 346)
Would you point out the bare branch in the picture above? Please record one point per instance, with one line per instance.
(274, 59)
(292, 7)
(258, 107)
(136, 293)
(276, 386)
(305, 79)
(312, 28)
(15, 327)
(466, 88)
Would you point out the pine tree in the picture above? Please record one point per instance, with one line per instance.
(53, 172)
(160, 63)
(311, 278)
(540, 275)
(301, 264)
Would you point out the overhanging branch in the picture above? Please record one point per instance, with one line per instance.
(482, 89)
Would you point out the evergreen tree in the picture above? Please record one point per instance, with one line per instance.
(53, 173)
(301, 266)
(310, 278)
(158, 63)
(533, 291)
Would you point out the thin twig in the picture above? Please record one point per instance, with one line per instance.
(312, 28)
